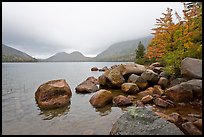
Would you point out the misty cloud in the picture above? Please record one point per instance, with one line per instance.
(42, 29)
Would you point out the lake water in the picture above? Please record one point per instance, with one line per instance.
(21, 115)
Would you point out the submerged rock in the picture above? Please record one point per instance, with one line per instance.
(143, 121)
(53, 94)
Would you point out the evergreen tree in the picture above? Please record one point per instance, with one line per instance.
(140, 53)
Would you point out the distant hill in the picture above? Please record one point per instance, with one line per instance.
(65, 57)
(122, 51)
(13, 55)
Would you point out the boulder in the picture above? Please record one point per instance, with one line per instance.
(160, 102)
(143, 121)
(158, 90)
(146, 99)
(163, 74)
(114, 77)
(185, 91)
(103, 69)
(133, 78)
(150, 75)
(87, 86)
(141, 83)
(196, 86)
(121, 100)
(148, 91)
(180, 93)
(101, 98)
(191, 68)
(173, 118)
(102, 80)
(163, 82)
(129, 88)
(132, 68)
(53, 94)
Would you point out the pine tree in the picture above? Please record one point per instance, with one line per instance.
(140, 53)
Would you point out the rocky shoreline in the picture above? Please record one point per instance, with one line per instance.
(145, 88)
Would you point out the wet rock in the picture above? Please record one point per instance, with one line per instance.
(131, 97)
(114, 77)
(160, 102)
(133, 78)
(141, 83)
(139, 104)
(198, 124)
(114, 66)
(53, 94)
(190, 129)
(101, 98)
(102, 80)
(196, 86)
(176, 82)
(176, 119)
(94, 69)
(173, 118)
(150, 75)
(180, 93)
(88, 86)
(143, 121)
(163, 82)
(132, 68)
(158, 90)
(148, 91)
(185, 91)
(129, 88)
(103, 69)
(191, 68)
(121, 100)
(146, 99)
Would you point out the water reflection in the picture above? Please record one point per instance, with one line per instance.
(52, 113)
(103, 111)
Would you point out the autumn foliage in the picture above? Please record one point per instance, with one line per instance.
(172, 41)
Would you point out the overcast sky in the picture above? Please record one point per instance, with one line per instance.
(42, 29)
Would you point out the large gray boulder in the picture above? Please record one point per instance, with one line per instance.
(191, 68)
(143, 121)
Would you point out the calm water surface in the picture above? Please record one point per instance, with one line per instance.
(21, 115)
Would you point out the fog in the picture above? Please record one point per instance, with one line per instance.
(42, 29)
